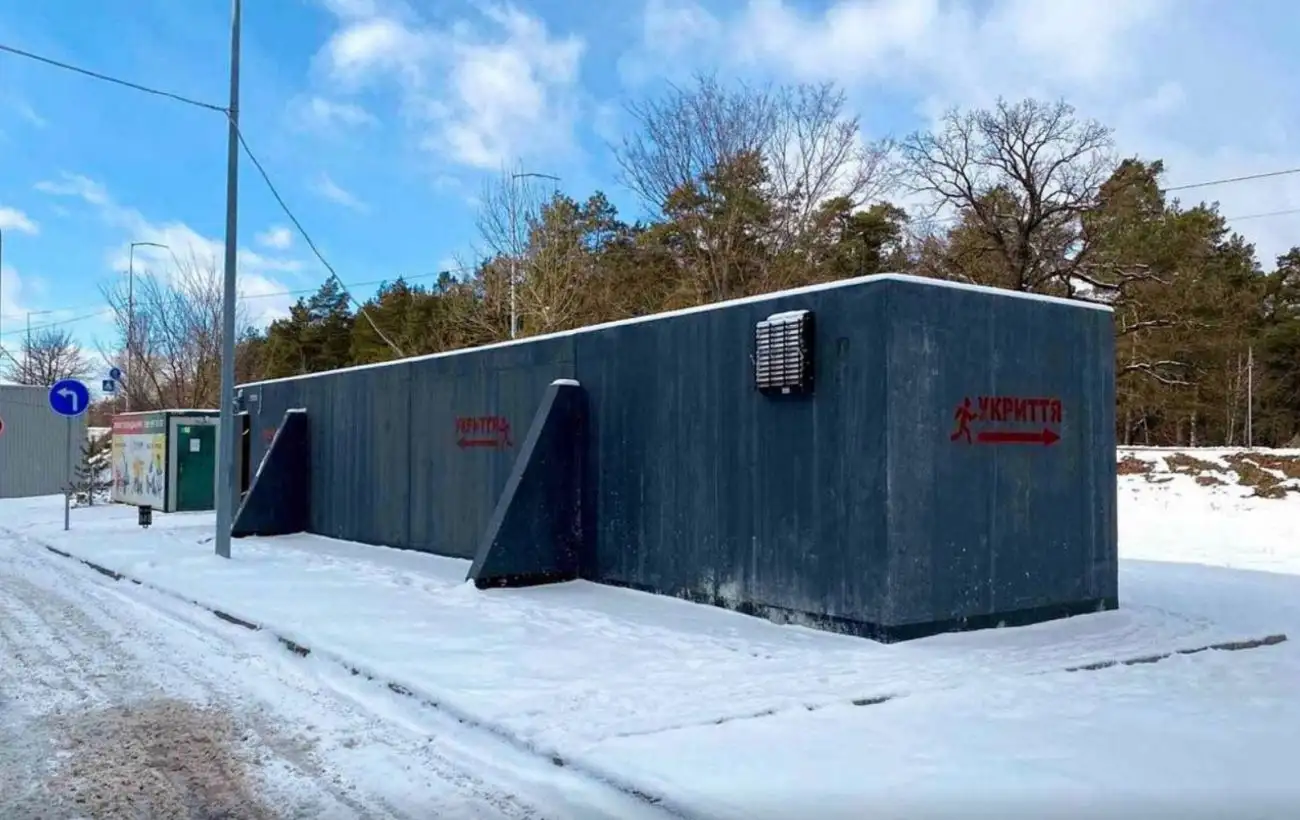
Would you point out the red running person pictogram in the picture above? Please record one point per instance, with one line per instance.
(964, 416)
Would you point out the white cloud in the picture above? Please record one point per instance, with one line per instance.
(12, 219)
(325, 114)
(944, 48)
(78, 186)
(14, 301)
(352, 8)
(276, 237)
(367, 48)
(1155, 70)
(483, 95)
(181, 244)
(331, 190)
(19, 106)
(19, 295)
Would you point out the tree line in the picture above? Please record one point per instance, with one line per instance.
(751, 190)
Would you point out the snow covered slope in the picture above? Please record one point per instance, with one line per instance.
(717, 715)
(1232, 472)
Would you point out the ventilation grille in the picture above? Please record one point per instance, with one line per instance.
(783, 353)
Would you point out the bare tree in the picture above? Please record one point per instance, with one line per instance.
(524, 228)
(509, 205)
(47, 356)
(750, 178)
(689, 133)
(810, 145)
(557, 269)
(175, 347)
(817, 153)
(1021, 177)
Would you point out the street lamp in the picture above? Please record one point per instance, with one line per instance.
(514, 233)
(130, 312)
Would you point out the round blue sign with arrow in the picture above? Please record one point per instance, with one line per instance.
(69, 397)
(115, 373)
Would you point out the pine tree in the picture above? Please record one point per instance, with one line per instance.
(91, 478)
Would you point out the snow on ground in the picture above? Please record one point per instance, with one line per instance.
(120, 702)
(723, 716)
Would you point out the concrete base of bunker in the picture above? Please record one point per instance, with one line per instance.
(279, 502)
(536, 533)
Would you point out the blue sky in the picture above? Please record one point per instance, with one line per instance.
(380, 120)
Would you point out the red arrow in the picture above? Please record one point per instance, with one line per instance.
(1044, 436)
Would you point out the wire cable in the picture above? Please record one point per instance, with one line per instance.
(266, 178)
(1287, 212)
(1230, 180)
(56, 323)
(224, 110)
(271, 294)
(109, 79)
(955, 218)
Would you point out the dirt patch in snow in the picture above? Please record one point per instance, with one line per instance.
(159, 759)
(1269, 475)
(1128, 465)
(1190, 465)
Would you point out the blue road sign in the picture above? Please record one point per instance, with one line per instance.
(108, 386)
(115, 373)
(69, 397)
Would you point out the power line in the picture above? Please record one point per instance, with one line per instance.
(109, 79)
(1287, 212)
(349, 289)
(1231, 180)
(307, 238)
(334, 275)
(56, 323)
(955, 218)
(222, 109)
(270, 294)
(245, 297)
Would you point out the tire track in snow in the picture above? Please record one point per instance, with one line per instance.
(88, 642)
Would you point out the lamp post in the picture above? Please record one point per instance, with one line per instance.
(130, 313)
(514, 230)
(226, 490)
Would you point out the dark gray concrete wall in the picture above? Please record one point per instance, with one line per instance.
(992, 522)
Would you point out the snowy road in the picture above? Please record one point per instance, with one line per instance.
(118, 702)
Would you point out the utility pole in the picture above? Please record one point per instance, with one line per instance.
(130, 314)
(225, 489)
(514, 230)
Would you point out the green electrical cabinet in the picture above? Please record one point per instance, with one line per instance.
(166, 460)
